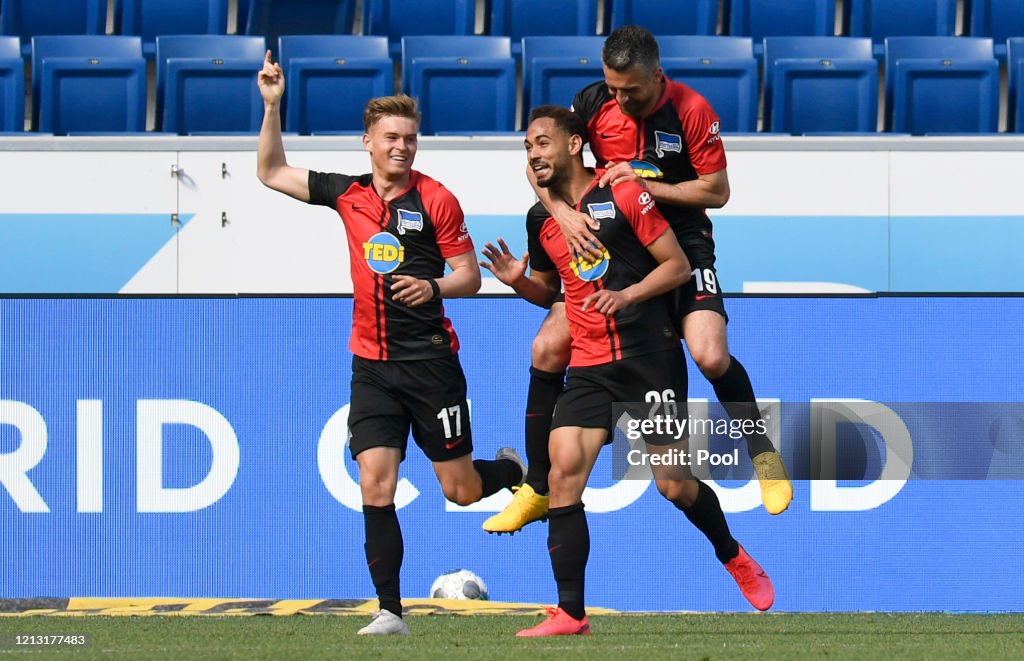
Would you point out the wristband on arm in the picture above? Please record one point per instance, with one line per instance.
(434, 287)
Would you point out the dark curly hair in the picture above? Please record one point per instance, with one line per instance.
(565, 119)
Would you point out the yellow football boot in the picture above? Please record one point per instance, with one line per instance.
(526, 507)
(776, 487)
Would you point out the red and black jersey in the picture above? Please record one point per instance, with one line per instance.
(629, 223)
(677, 142)
(412, 234)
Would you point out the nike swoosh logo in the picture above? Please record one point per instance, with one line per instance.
(703, 296)
(762, 574)
(356, 207)
(609, 136)
(554, 548)
(453, 444)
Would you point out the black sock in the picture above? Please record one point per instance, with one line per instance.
(384, 551)
(706, 513)
(497, 474)
(737, 395)
(540, 404)
(569, 548)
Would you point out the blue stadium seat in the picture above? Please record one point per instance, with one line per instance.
(999, 19)
(879, 19)
(148, 18)
(556, 68)
(542, 18)
(941, 85)
(330, 78)
(666, 16)
(395, 19)
(463, 83)
(88, 83)
(758, 19)
(724, 47)
(273, 18)
(820, 84)
(207, 83)
(33, 18)
(722, 69)
(12, 85)
(1015, 84)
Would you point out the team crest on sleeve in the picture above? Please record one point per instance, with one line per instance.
(383, 252)
(646, 170)
(666, 142)
(409, 220)
(589, 271)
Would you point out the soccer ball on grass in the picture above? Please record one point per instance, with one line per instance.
(459, 584)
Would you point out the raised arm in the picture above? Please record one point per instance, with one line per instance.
(272, 167)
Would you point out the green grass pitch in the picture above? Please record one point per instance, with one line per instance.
(618, 637)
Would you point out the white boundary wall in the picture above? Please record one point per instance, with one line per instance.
(272, 244)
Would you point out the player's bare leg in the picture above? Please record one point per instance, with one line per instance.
(465, 481)
(699, 503)
(550, 355)
(573, 451)
(378, 479)
(378, 475)
(706, 340)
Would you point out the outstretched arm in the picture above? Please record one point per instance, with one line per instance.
(272, 167)
(540, 288)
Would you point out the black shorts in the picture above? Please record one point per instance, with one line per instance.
(590, 391)
(701, 291)
(389, 397)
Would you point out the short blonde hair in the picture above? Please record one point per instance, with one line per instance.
(398, 105)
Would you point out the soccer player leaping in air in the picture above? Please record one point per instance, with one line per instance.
(402, 227)
(623, 347)
(644, 127)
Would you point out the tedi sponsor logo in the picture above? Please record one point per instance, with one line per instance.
(383, 252)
